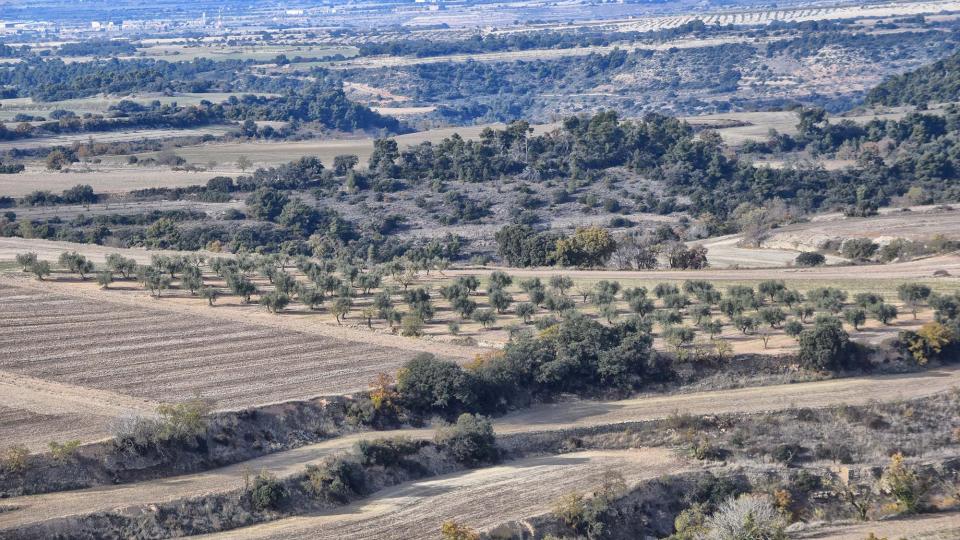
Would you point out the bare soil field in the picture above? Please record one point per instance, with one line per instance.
(125, 207)
(102, 178)
(50, 250)
(909, 225)
(759, 124)
(112, 136)
(723, 252)
(73, 352)
(481, 499)
(913, 270)
(38, 411)
(265, 154)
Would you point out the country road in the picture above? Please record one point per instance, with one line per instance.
(854, 390)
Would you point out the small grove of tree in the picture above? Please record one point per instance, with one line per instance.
(76, 263)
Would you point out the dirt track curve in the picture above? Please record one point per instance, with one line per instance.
(856, 390)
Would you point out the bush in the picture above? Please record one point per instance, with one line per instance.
(451, 530)
(810, 258)
(64, 451)
(267, 492)
(411, 325)
(337, 481)
(470, 441)
(14, 458)
(746, 517)
(387, 452)
(859, 249)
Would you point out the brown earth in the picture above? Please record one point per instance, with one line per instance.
(66, 352)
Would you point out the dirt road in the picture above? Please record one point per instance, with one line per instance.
(480, 499)
(924, 527)
(855, 390)
(917, 269)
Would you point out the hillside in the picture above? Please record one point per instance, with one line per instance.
(936, 82)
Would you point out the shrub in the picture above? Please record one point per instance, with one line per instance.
(859, 249)
(337, 481)
(183, 421)
(411, 325)
(387, 452)
(451, 530)
(746, 517)
(809, 259)
(14, 458)
(928, 341)
(267, 492)
(905, 484)
(64, 451)
(470, 441)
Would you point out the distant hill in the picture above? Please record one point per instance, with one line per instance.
(935, 82)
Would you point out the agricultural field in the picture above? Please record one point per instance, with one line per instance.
(105, 359)
(268, 154)
(920, 224)
(104, 178)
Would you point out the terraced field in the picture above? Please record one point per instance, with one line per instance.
(63, 354)
(167, 357)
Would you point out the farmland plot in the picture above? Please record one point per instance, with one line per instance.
(127, 357)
